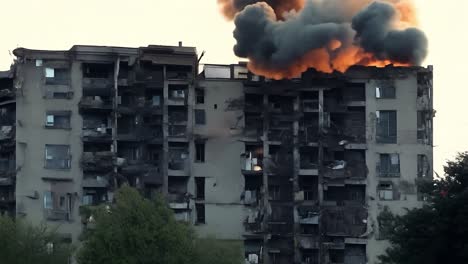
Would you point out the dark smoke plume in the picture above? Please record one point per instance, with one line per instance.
(231, 7)
(327, 35)
(374, 34)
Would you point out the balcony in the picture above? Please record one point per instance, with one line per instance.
(310, 105)
(7, 196)
(7, 167)
(180, 75)
(95, 182)
(179, 167)
(95, 104)
(100, 134)
(308, 241)
(140, 134)
(97, 161)
(309, 134)
(7, 132)
(178, 201)
(98, 86)
(177, 98)
(251, 165)
(177, 131)
(344, 221)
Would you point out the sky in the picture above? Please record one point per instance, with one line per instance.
(60, 24)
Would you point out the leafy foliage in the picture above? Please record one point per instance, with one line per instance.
(437, 232)
(136, 230)
(23, 243)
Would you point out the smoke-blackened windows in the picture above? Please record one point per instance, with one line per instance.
(386, 127)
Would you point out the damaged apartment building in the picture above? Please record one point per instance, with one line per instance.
(299, 171)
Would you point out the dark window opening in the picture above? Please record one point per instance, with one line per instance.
(200, 152)
(57, 76)
(200, 188)
(200, 208)
(97, 70)
(200, 117)
(200, 96)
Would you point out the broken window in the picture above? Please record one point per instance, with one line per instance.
(389, 165)
(200, 96)
(423, 129)
(200, 188)
(60, 119)
(199, 152)
(423, 166)
(57, 76)
(200, 208)
(57, 157)
(62, 95)
(386, 127)
(385, 191)
(200, 117)
(178, 153)
(385, 90)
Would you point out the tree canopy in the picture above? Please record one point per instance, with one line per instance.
(135, 230)
(22, 243)
(437, 232)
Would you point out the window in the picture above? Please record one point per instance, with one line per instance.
(57, 76)
(385, 92)
(62, 95)
(200, 188)
(200, 152)
(385, 191)
(423, 166)
(423, 124)
(200, 117)
(274, 192)
(386, 127)
(200, 96)
(389, 165)
(58, 206)
(57, 157)
(58, 119)
(200, 208)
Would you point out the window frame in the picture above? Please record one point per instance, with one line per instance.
(385, 134)
(392, 170)
(201, 218)
(200, 116)
(51, 122)
(67, 160)
(199, 96)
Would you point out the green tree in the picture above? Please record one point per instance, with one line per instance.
(23, 243)
(213, 251)
(136, 230)
(437, 232)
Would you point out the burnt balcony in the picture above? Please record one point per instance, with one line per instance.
(251, 165)
(98, 86)
(310, 105)
(308, 241)
(7, 167)
(95, 182)
(98, 161)
(177, 95)
(178, 201)
(7, 132)
(141, 134)
(178, 131)
(100, 134)
(95, 104)
(179, 72)
(250, 107)
(309, 134)
(7, 196)
(179, 167)
(344, 221)
(150, 76)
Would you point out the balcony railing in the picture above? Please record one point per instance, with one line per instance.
(57, 215)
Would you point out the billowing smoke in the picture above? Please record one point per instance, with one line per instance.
(325, 34)
(231, 7)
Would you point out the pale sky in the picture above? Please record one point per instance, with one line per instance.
(60, 24)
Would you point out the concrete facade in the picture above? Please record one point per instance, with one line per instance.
(299, 170)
